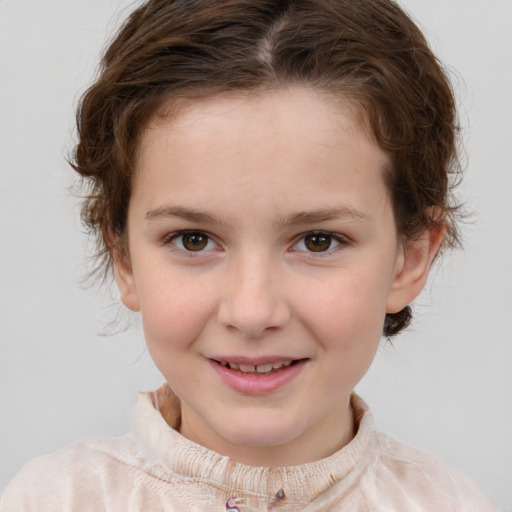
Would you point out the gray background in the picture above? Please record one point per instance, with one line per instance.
(445, 386)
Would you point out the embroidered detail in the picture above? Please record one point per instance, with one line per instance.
(278, 496)
(234, 501)
(232, 504)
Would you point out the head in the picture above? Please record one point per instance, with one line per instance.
(190, 93)
(368, 53)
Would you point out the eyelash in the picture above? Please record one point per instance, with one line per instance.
(340, 240)
(170, 239)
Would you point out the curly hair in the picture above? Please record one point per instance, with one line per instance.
(367, 51)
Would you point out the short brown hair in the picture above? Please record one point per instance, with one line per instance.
(367, 51)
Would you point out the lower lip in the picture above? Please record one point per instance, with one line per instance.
(257, 384)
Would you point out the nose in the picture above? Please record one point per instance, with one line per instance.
(253, 299)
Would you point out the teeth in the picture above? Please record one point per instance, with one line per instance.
(262, 368)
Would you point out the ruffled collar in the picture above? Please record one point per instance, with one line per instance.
(156, 418)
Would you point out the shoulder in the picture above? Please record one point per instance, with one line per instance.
(405, 478)
(69, 479)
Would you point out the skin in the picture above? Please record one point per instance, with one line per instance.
(254, 176)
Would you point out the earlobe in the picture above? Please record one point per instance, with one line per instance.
(414, 266)
(125, 280)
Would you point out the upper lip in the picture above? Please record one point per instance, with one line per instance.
(255, 361)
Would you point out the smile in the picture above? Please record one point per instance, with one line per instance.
(258, 379)
(261, 368)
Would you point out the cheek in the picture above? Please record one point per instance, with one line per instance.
(174, 311)
(347, 328)
(346, 309)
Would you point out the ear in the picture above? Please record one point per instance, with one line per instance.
(123, 273)
(413, 266)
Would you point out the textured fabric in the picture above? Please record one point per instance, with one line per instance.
(157, 469)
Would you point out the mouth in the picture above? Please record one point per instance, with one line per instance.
(258, 376)
(260, 369)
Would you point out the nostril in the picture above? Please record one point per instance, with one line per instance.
(253, 320)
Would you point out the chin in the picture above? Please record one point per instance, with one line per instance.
(258, 434)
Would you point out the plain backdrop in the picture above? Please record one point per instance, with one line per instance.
(445, 386)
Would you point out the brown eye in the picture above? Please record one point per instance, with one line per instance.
(192, 241)
(317, 242)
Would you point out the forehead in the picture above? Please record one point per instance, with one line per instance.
(289, 108)
(285, 144)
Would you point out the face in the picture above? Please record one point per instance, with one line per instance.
(263, 257)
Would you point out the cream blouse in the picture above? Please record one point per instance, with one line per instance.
(156, 469)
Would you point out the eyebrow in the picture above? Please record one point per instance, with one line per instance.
(323, 215)
(182, 212)
(298, 218)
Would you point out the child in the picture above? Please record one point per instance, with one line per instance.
(270, 183)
